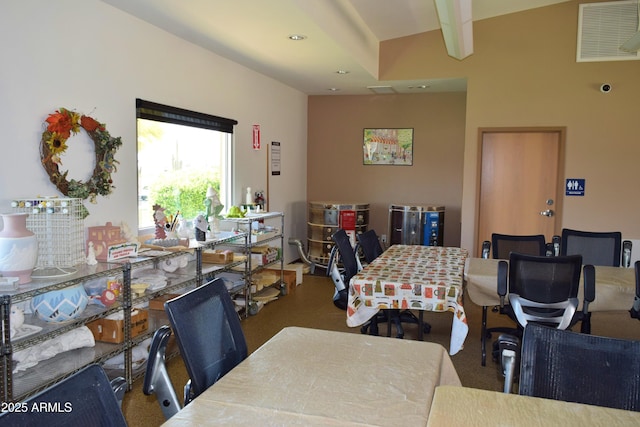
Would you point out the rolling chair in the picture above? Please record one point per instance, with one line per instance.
(210, 339)
(597, 248)
(564, 365)
(369, 243)
(86, 398)
(503, 245)
(635, 309)
(541, 290)
(342, 253)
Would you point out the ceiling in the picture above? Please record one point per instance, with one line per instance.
(340, 35)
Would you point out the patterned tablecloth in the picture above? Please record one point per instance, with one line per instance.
(412, 277)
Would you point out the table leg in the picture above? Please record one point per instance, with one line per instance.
(421, 325)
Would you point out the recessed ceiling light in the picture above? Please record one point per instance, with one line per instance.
(343, 72)
(419, 87)
(333, 89)
(297, 37)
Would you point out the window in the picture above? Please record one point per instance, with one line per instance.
(181, 154)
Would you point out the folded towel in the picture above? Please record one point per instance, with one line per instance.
(76, 338)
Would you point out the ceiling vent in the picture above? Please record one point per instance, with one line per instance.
(603, 28)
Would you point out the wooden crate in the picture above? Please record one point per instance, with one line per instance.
(109, 330)
(217, 256)
(288, 276)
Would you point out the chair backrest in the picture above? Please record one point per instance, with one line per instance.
(573, 367)
(504, 244)
(347, 255)
(208, 333)
(370, 244)
(596, 248)
(86, 398)
(544, 289)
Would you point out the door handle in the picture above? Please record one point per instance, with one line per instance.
(548, 212)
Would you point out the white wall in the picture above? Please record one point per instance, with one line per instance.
(87, 56)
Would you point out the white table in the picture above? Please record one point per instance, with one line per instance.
(462, 407)
(415, 277)
(313, 377)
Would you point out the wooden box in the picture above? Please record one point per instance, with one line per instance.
(289, 278)
(217, 256)
(157, 303)
(109, 330)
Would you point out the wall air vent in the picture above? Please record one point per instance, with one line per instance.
(603, 28)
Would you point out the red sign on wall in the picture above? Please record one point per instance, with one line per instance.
(256, 137)
(348, 220)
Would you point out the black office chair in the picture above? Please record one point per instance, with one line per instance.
(342, 254)
(564, 365)
(635, 308)
(501, 246)
(541, 290)
(369, 243)
(596, 248)
(86, 398)
(209, 337)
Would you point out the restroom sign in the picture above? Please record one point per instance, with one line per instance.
(574, 187)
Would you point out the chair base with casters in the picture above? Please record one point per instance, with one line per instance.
(394, 317)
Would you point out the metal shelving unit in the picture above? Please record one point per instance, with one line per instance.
(18, 386)
(254, 238)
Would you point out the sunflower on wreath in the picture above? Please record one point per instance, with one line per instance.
(60, 126)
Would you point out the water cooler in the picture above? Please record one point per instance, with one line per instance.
(416, 225)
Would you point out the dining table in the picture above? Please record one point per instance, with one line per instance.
(491, 408)
(412, 277)
(313, 377)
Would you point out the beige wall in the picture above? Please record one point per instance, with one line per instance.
(93, 58)
(524, 73)
(335, 170)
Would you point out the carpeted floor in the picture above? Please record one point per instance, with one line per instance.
(311, 306)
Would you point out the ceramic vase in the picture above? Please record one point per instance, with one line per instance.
(18, 247)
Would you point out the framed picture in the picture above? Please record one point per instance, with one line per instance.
(388, 147)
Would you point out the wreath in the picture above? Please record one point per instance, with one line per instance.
(60, 126)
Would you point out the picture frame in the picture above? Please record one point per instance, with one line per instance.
(387, 146)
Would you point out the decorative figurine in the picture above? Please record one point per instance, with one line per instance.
(160, 220)
(214, 207)
(91, 255)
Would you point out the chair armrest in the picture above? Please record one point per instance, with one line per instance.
(626, 253)
(156, 377)
(555, 241)
(119, 386)
(486, 248)
(503, 271)
(332, 259)
(589, 279)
